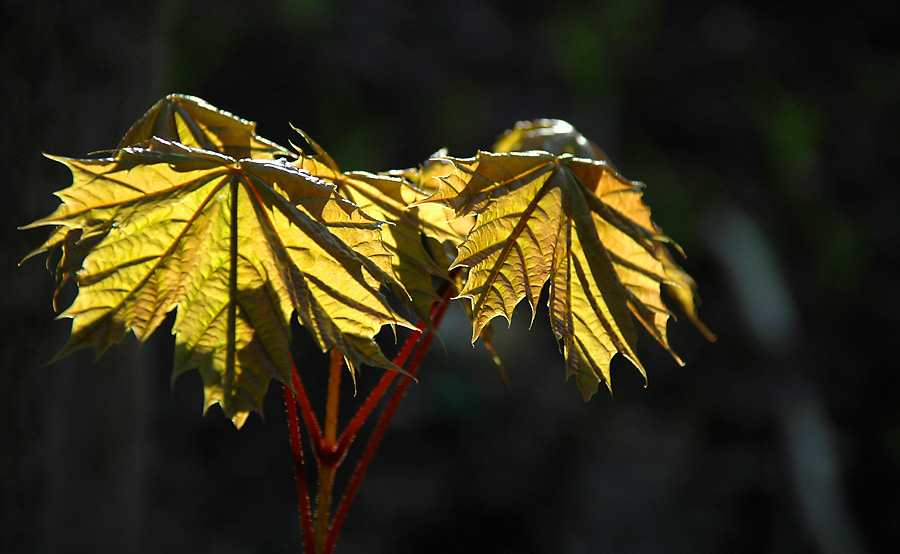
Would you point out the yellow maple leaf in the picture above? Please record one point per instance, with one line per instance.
(237, 247)
(575, 223)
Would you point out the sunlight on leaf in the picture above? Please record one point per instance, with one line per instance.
(576, 223)
(386, 197)
(196, 124)
(236, 247)
(195, 213)
(550, 135)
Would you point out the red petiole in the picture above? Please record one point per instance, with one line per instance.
(329, 449)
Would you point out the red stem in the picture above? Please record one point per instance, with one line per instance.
(359, 419)
(309, 417)
(383, 421)
(290, 402)
(327, 462)
(335, 451)
(362, 414)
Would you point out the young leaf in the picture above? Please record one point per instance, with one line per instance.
(386, 198)
(559, 137)
(176, 118)
(439, 222)
(575, 223)
(550, 135)
(236, 247)
(196, 124)
(444, 232)
(683, 289)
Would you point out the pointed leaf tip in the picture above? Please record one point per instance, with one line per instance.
(235, 247)
(574, 223)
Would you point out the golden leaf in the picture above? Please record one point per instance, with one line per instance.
(196, 124)
(576, 223)
(236, 247)
(386, 198)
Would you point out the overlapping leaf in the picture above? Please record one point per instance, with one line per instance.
(549, 135)
(573, 222)
(176, 118)
(444, 231)
(387, 197)
(195, 212)
(439, 222)
(559, 137)
(196, 124)
(236, 247)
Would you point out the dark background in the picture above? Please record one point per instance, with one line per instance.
(768, 137)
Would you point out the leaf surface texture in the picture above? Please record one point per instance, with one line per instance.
(237, 247)
(572, 222)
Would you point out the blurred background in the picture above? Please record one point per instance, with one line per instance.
(767, 136)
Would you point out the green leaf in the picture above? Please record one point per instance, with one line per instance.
(236, 247)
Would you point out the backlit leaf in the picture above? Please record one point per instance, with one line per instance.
(386, 198)
(236, 247)
(176, 118)
(550, 135)
(559, 137)
(683, 289)
(576, 223)
(195, 123)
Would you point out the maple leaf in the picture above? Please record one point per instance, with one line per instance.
(196, 124)
(236, 246)
(176, 118)
(444, 231)
(560, 137)
(683, 289)
(387, 197)
(439, 222)
(576, 223)
(550, 135)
